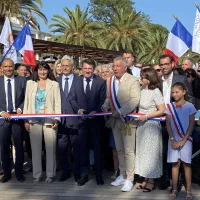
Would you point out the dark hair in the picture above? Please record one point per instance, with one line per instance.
(195, 83)
(42, 64)
(179, 71)
(151, 75)
(182, 86)
(89, 61)
(130, 52)
(199, 60)
(167, 56)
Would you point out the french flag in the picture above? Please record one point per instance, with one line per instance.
(179, 41)
(23, 44)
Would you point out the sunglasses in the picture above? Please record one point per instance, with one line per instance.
(158, 70)
(198, 70)
(164, 64)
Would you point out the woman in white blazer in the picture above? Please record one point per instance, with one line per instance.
(42, 97)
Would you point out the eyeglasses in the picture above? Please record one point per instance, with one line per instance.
(158, 70)
(164, 64)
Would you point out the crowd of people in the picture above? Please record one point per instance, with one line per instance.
(140, 146)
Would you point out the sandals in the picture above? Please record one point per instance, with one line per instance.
(188, 195)
(145, 189)
(140, 187)
(173, 194)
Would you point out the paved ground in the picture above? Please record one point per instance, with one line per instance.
(13, 190)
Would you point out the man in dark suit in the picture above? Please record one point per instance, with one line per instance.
(169, 78)
(12, 92)
(89, 95)
(68, 128)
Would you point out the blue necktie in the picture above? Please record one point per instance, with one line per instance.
(66, 88)
(10, 102)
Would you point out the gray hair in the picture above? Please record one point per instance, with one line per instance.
(108, 67)
(66, 57)
(122, 59)
(190, 60)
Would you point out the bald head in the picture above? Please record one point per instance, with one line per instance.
(8, 67)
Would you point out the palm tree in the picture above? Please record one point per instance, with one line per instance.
(155, 44)
(126, 31)
(21, 10)
(78, 28)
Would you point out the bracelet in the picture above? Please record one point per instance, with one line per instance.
(146, 117)
(171, 138)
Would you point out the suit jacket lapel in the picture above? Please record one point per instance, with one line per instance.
(49, 85)
(16, 86)
(3, 88)
(93, 87)
(122, 86)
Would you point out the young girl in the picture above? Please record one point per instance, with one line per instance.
(180, 120)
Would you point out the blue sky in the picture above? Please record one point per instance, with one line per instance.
(160, 11)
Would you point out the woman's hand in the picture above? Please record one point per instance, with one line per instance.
(55, 124)
(141, 118)
(181, 143)
(27, 126)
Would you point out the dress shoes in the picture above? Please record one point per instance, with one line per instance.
(77, 177)
(82, 181)
(99, 180)
(21, 178)
(64, 177)
(5, 179)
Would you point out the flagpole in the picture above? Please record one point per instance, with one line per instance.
(175, 17)
(196, 4)
(10, 47)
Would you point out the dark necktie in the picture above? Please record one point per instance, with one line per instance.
(87, 91)
(66, 88)
(10, 102)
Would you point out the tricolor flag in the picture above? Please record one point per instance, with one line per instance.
(6, 38)
(196, 33)
(179, 41)
(23, 44)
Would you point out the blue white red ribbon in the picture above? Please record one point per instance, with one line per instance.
(29, 116)
(177, 122)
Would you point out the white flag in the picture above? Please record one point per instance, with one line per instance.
(6, 38)
(196, 33)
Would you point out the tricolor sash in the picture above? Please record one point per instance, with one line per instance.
(177, 122)
(113, 98)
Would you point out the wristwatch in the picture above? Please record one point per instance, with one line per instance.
(171, 138)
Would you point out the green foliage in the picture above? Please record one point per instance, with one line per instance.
(78, 28)
(21, 10)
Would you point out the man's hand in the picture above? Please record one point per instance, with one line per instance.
(115, 113)
(181, 143)
(104, 109)
(27, 126)
(6, 115)
(91, 113)
(80, 112)
(19, 111)
(55, 124)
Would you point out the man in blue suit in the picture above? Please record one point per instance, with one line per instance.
(68, 128)
(88, 96)
(12, 96)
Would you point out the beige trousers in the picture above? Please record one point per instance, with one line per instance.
(125, 145)
(36, 131)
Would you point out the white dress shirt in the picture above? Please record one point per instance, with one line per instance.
(167, 84)
(85, 82)
(70, 80)
(12, 81)
(135, 71)
(117, 83)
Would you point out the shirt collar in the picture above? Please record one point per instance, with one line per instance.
(69, 76)
(91, 78)
(6, 78)
(121, 79)
(170, 77)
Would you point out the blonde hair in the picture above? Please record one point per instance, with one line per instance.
(54, 68)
